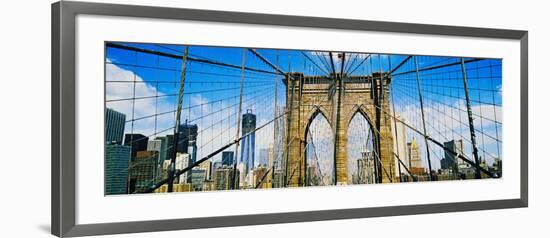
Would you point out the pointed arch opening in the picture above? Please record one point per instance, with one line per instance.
(319, 151)
(361, 153)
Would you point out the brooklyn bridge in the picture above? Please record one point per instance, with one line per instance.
(182, 118)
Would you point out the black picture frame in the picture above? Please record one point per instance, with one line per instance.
(64, 107)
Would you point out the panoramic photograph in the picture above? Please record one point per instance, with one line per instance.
(189, 118)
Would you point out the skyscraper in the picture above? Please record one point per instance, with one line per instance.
(451, 161)
(270, 156)
(263, 157)
(248, 142)
(365, 168)
(142, 171)
(198, 176)
(223, 176)
(414, 160)
(137, 142)
(313, 175)
(117, 158)
(114, 126)
(227, 158)
(182, 162)
(187, 142)
(243, 183)
(189, 133)
(399, 143)
(207, 166)
(158, 145)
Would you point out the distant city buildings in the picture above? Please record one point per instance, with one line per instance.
(142, 171)
(182, 161)
(399, 143)
(198, 177)
(187, 142)
(158, 145)
(263, 157)
(114, 126)
(165, 169)
(154, 145)
(227, 158)
(117, 156)
(134, 162)
(461, 168)
(248, 142)
(117, 159)
(271, 156)
(270, 165)
(414, 159)
(497, 167)
(189, 133)
(177, 188)
(137, 142)
(207, 166)
(278, 178)
(365, 169)
(313, 175)
(451, 161)
(466, 171)
(223, 176)
(243, 182)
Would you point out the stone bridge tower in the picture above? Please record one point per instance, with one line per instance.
(338, 98)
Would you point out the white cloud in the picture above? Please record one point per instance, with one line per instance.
(128, 85)
(197, 107)
(451, 115)
(213, 134)
(447, 122)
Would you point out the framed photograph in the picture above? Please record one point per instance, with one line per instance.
(167, 119)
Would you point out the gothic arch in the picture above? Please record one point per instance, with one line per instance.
(360, 171)
(360, 109)
(317, 112)
(312, 115)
